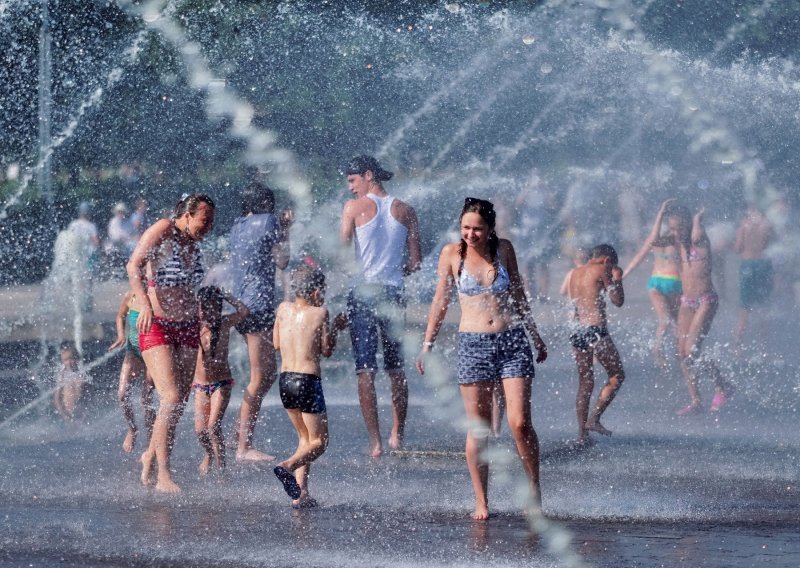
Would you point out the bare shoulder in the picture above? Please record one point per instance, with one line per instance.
(402, 211)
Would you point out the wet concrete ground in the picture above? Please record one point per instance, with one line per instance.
(662, 491)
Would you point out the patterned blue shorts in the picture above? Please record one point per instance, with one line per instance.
(494, 356)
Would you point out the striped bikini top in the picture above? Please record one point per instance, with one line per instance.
(174, 270)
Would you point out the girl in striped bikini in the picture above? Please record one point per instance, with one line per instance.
(164, 271)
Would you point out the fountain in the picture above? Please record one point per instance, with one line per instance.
(602, 99)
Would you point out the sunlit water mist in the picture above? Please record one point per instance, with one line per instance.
(591, 108)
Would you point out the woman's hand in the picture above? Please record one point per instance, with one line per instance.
(420, 361)
(145, 319)
(118, 342)
(666, 204)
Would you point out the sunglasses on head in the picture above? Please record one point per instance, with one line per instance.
(470, 201)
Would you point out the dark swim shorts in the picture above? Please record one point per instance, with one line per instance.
(256, 322)
(755, 282)
(303, 392)
(585, 338)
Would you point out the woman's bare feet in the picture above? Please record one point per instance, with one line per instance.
(252, 455)
(147, 460)
(205, 464)
(481, 512)
(395, 442)
(376, 451)
(166, 485)
(130, 441)
(595, 426)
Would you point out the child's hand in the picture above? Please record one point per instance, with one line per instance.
(665, 205)
(698, 217)
(340, 322)
(541, 348)
(616, 273)
(118, 342)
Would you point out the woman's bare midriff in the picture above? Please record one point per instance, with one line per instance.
(485, 313)
(177, 304)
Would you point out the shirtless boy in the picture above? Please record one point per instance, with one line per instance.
(755, 272)
(591, 339)
(302, 334)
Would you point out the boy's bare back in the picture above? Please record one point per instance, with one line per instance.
(586, 287)
(301, 334)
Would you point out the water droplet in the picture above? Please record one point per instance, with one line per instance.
(546, 68)
(528, 39)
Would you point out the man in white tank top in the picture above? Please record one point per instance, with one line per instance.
(386, 236)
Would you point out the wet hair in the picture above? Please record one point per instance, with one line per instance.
(257, 198)
(68, 346)
(359, 165)
(605, 250)
(306, 280)
(210, 300)
(486, 210)
(681, 213)
(190, 203)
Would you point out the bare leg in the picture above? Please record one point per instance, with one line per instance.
(312, 433)
(608, 356)
(498, 409)
(202, 409)
(148, 389)
(478, 405)
(665, 316)
(132, 368)
(262, 375)
(399, 387)
(369, 409)
(585, 362)
(741, 326)
(171, 371)
(518, 400)
(695, 325)
(219, 404)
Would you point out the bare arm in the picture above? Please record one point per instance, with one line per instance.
(281, 250)
(151, 238)
(564, 290)
(241, 310)
(698, 232)
(328, 343)
(276, 329)
(439, 305)
(612, 281)
(347, 227)
(520, 299)
(412, 242)
(651, 239)
(122, 312)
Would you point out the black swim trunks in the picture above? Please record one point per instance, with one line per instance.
(585, 338)
(303, 392)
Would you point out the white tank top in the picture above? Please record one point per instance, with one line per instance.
(380, 245)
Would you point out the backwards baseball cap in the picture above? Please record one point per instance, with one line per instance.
(364, 163)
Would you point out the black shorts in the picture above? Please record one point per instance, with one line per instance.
(585, 338)
(303, 392)
(256, 322)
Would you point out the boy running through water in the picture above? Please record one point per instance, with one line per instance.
(302, 334)
(591, 339)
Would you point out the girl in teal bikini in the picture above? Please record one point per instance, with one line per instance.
(664, 285)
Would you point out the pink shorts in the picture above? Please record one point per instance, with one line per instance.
(169, 332)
